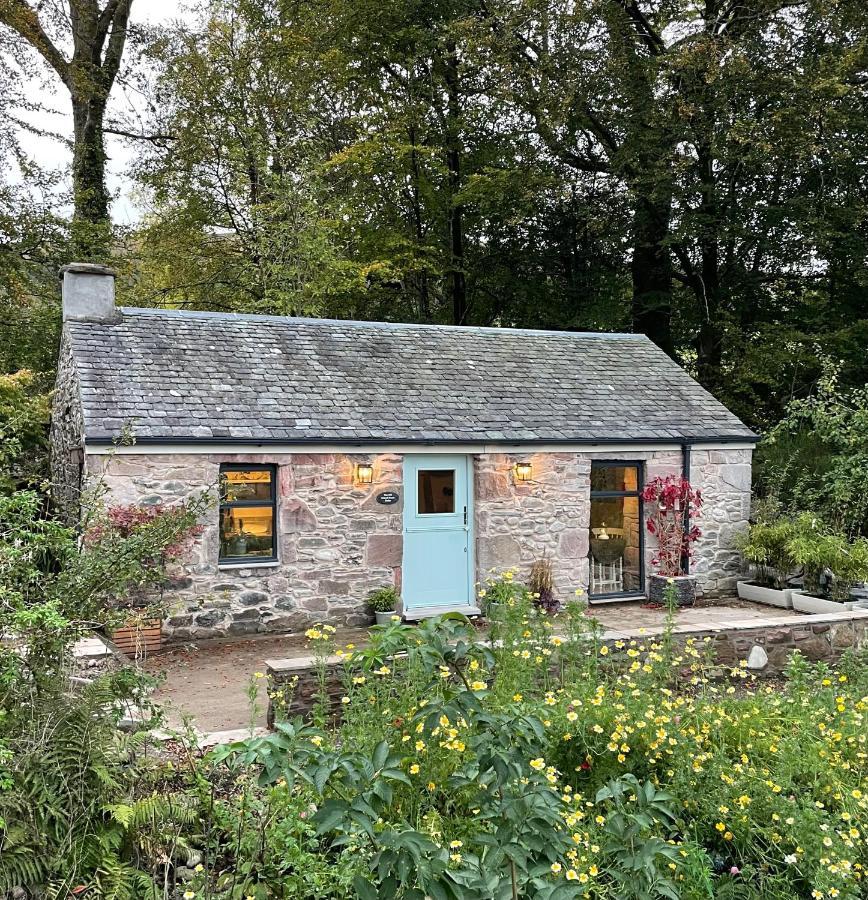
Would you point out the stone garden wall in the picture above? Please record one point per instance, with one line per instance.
(336, 543)
(766, 647)
(67, 437)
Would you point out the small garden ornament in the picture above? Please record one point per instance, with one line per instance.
(672, 504)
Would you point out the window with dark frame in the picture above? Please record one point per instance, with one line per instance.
(617, 538)
(248, 512)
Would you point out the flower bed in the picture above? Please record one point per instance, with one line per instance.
(545, 766)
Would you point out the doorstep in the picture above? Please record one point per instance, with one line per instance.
(429, 612)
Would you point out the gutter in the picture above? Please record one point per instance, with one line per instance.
(102, 440)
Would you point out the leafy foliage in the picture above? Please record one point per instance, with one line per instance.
(672, 502)
(537, 766)
(383, 600)
(816, 457)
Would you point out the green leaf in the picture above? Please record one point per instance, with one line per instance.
(381, 754)
(331, 814)
(364, 889)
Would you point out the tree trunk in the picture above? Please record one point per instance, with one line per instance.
(709, 343)
(652, 272)
(98, 35)
(457, 282)
(418, 227)
(458, 285)
(88, 161)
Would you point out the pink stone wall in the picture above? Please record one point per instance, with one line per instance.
(335, 542)
(724, 477)
(547, 518)
(518, 522)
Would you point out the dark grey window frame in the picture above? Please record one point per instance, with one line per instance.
(246, 504)
(639, 466)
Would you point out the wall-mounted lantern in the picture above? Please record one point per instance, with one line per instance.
(523, 471)
(364, 473)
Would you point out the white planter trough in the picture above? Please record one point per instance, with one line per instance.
(807, 604)
(747, 590)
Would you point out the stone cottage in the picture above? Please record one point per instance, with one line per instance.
(353, 455)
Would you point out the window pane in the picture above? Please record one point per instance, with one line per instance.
(253, 484)
(614, 478)
(614, 555)
(436, 491)
(246, 531)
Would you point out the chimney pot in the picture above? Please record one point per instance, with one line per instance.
(88, 293)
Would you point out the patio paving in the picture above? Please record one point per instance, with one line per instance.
(208, 682)
(630, 617)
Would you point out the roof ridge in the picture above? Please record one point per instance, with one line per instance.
(359, 323)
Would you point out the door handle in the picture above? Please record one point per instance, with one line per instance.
(465, 515)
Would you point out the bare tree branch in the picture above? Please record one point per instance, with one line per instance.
(153, 138)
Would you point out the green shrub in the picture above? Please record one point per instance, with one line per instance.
(535, 766)
(817, 550)
(72, 813)
(829, 562)
(851, 567)
(766, 546)
(25, 411)
(384, 599)
(816, 457)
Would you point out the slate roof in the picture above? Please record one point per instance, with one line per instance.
(188, 376)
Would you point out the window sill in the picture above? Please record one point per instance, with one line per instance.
(270, 564)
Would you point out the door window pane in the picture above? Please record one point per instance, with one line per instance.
(614, 478)
(436, 491)
(247, 531)
(615, 551)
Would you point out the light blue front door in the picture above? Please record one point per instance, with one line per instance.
(437, 568)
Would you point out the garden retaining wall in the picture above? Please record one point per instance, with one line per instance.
(818, 638)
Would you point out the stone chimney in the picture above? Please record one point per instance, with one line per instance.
(88, 293)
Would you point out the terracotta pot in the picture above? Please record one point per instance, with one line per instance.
(139, 636)
(685, 589)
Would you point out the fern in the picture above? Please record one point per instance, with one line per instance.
(70, 814)
(20, 867)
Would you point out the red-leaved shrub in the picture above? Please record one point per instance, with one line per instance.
(666, 501)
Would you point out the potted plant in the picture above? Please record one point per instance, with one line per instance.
(850, 576)
(672, 503)
(384, 604)
(818, 552)
(766, 546)
(850, 569)
(542, 586)
(499, 590)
